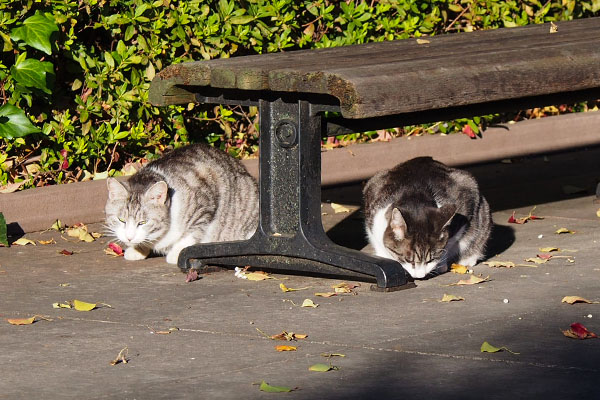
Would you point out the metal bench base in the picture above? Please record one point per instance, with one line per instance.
(290, 234)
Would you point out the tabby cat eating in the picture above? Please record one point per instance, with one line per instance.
(426, 215)
(194, 194)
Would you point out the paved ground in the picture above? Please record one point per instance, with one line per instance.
(404, 344)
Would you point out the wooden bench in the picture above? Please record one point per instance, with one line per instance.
(373, 86)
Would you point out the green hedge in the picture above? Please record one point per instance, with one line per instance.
(74, 75)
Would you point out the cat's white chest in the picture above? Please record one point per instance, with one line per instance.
(376, 231)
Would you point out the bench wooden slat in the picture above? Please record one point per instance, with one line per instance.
(500, 64)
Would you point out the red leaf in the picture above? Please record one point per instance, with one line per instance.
(544, 256)
(116, 248)
(65, 252)
(581, 331)
(467, 130)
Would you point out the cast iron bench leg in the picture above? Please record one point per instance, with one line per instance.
(290, 234)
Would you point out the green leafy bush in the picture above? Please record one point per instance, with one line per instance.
(74, 75)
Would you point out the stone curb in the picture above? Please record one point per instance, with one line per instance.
(36, 209)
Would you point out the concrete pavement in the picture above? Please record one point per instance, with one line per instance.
(400, 345)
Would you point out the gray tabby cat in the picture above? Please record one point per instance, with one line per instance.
(195, 194)
(426, 215)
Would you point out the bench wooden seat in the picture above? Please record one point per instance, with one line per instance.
(373, 86)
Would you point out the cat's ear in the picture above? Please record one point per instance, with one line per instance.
(157, 193)
(398, 224)
(116, 190)
(447, 212)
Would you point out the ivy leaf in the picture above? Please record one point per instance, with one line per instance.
(14, 123)
(3, 235)
(34, 73)
(36, 31)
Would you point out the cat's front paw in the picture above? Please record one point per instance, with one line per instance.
(134, 254)
(173, 256)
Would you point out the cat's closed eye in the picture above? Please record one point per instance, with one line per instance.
(122, 220)
(142, 223)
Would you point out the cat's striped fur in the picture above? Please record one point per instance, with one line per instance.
(194, 194)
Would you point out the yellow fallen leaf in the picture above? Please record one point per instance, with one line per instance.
(598, 213)
(285, 348)
(57, 226)
(309, 303)
(81, 233)
(21, 321)
(423, 41)
(23, 242)
(473, 280)
(459, 269)
(564, 230)
(44, 242)
(450, 297)
(257, 276)
(499, 264)
(577, 299)
(344, 287)
(338, 208)
(326, 294)
(537, 260)
(300, 335)
(287, 289)
(83, 306)
(61, 305)
(549, 249)
(553, 27)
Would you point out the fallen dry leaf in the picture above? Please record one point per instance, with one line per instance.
(26, 321)
(21, 321)
(598, 213)
(553, 27)
(46, 242)
(114, 249)
(459, 269)
(80, 231)
(289, 336)
(500, 264)
(121, 357)
(192, 275)
(545, 256)
(265, 387)
(320, 367)
(549, 249)
(83, 306)
(523, 220)
(447, 298)
(309, 303)
(287, 289)
(344, 287)
(423, 41)
(563, 230)
(329, 355)
(61, 305)
(578, 331)
(488, 348)
(326, 294)
(338, 208)
(257, 276)
(65, 252)
(473, 280)
(577, 299)
(537, 260)
(57, 226)
(284, 347)
(23, 242)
